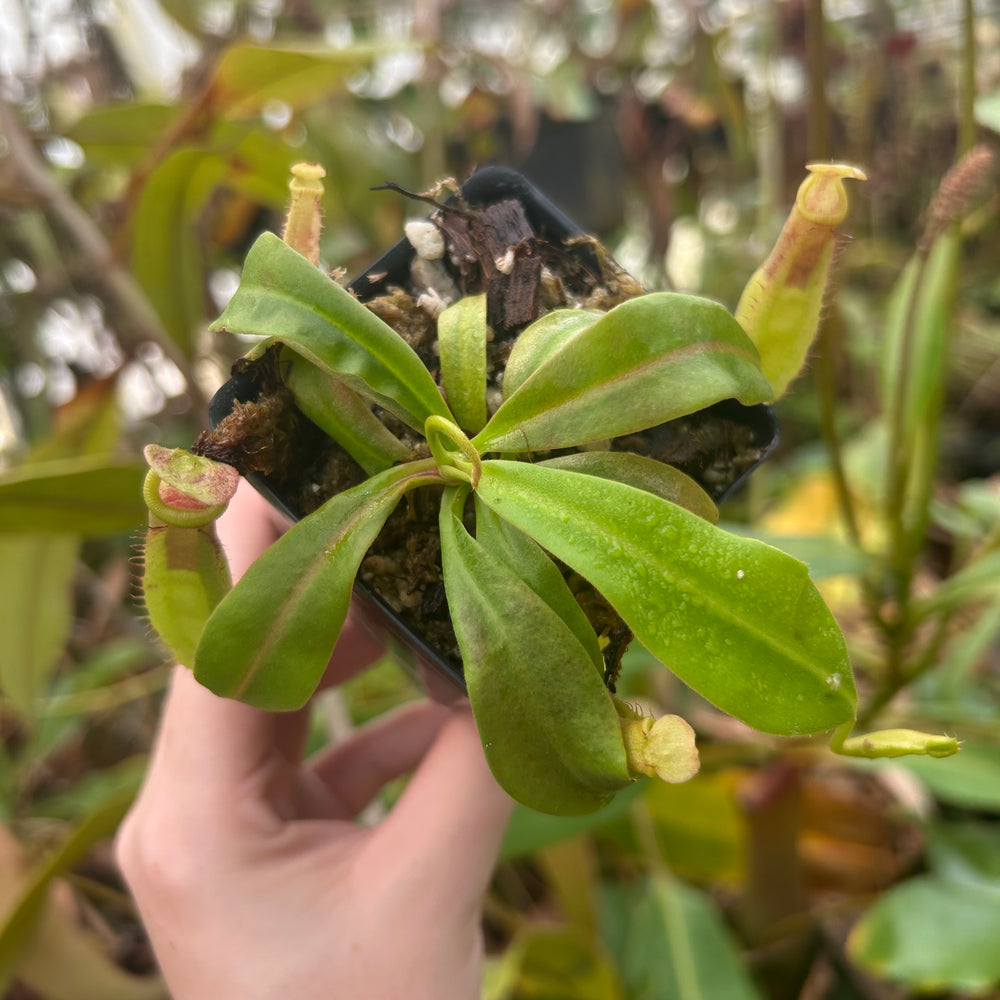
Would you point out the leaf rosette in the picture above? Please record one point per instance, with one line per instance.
(738, 621)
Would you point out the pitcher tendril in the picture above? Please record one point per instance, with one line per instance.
(460, 464)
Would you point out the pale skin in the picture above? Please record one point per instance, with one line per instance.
(250, 872)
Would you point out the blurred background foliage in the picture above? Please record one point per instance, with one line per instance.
(143, 146)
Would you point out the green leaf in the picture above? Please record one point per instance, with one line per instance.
(269, 640)
(22, 917)
(700, 826)
(89, 424)
(185, 576)
(932, 287)
(462, 342)
(259, 162)
(957, 668)
(504, 542)
(548, 726)
(35, 613)
(988, 111)
(283, 296)
(249, 76)
(932, 935)
(89, 793)
(166, 252)
(91, 495)
(538, 342)
(976, 581)
(644, 474)
(122, 133)
(339, 411)
(965, 852)
(825, 556)
(917, 331)
(552, 963)
(672, 944)
(737, 620)
(647, 361)
(529, 830)
(970, 779)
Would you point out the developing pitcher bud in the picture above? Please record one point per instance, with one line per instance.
(897, 743)
(304, 220)
(661, 748)
(781, 304)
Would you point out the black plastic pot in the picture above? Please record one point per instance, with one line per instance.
(490, 187)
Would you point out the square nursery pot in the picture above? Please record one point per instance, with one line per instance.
(504, 238)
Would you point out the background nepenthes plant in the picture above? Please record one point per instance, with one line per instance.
(677, 135)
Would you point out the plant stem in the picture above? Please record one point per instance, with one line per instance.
(825, 381)
(899, 675)
(137, 321)
(967, 114)
(678, 937)
(818, 145)
(818, 122)
(897, 458)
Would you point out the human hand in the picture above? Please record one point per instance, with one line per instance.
(251, 875)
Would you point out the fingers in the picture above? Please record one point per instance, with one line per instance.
(209, 747)
(453, 814)
(355, 770)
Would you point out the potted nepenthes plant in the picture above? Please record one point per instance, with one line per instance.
(510, 454)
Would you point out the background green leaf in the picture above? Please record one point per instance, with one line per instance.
(671, 943)
(21, 918)
(699, 826)
(530, 830)
(988, 110)
(166, 251)
(933, 935)
(914, 365)
(36, 613)
(249, 76)
(122, 133)
(553, 963)
(967, 851)
(91, 495)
